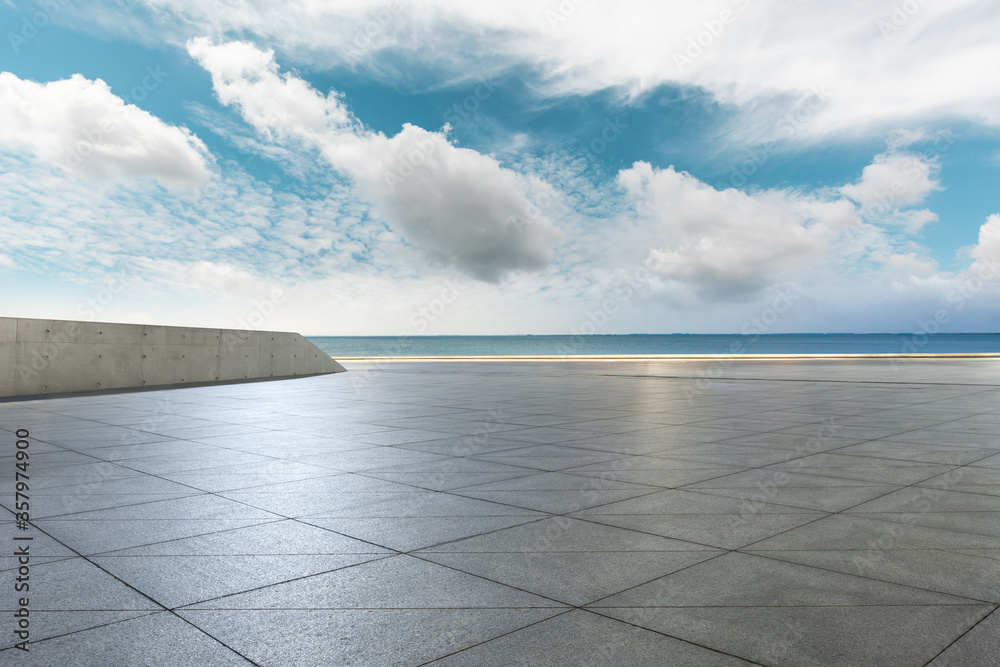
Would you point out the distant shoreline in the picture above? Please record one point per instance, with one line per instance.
(675, 357)
(649, 346)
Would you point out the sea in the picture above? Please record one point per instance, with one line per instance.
(638, 344)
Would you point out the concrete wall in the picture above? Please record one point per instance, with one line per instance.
(53, 356)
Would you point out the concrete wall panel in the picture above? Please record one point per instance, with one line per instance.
(240, 362)
(47, 367)
(60, 331)
(175, 364)
(157, 335)
(8, 330)
(7, 373)
(52, 356)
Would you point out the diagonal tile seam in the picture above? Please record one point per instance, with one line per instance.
(277, 519)
(573, 514)
(138, 592)
(651, 491)
(583, 451)
(528, 469)
(769, 468)
(188, 537)
(844, 510)
(968, 552)
(869, 458)
(161, 435)
(746, 659)
(703, 492)
(533, 472)
(886, 458)
(486, 641)
(419, 551)
(493, 581)
(198, 490)
(681, 639)
(970, 603)
(971, 628)
(527, 427)
(962, 550)
(786, 461)
(294, 579)
(861, 442)
(95, 627)
(517, 446)
(589, 611)
(868, 412)
(53, 517)
(740, 550)
(413, 552)
(883, 517)
(912, 404)
(397, 554)
(569, 471)
(723, 552)
(202, 471)
(369, 474)
(763, 554)
(122, 462)
(529, 472)
(512, 607)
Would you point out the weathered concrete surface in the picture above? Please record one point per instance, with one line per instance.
(54, 356)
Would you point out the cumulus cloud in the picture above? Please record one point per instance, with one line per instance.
(710, 245)
(80, 125)
(461, 206)
(987, 251)
(247, 78)
(896, 180)
(728, 244)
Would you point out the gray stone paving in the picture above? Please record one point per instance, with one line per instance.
(518, 513)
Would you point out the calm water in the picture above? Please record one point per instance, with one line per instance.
(443, 346)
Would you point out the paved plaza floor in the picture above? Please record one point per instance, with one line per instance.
(822, 512)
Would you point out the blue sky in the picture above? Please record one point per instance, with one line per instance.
(441, 167)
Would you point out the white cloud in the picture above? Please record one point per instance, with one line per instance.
(84, 128)
(248, 78)
(912, 265)
(881, 63)
(716, 246)
(902, 137)
(987, 252)
(461, 206)
(895, 180)
(728, 244)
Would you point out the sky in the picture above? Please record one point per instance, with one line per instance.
(513, 167)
